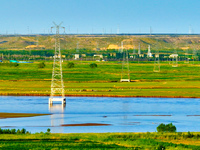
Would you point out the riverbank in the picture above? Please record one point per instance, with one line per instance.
(79, 95)
(120, 141)
(162, 89)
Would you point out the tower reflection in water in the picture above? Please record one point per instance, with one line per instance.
(57, 117)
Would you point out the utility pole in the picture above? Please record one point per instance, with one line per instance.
(57, 85)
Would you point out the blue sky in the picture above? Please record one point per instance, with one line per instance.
(100, 16)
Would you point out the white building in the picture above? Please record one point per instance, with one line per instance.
(76, 56)
(173, 56)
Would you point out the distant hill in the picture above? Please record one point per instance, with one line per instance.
(102, 42)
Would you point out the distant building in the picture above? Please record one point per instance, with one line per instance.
(76, 56)
(83, 55)
(58, 56)
(156, 55)
(100, 56)
(141, 55)
(173, 55)
(113, 54)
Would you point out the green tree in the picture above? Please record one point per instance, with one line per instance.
(166, 128)
(48, 130)
(18, 131)
(41, 65)
(93, 65)
(15, 64)
(170, 128)
(13, 131)
(161, 128)
(70, 65)
(23, 131)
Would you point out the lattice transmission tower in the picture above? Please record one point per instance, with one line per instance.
(57, 85)
(125, 76)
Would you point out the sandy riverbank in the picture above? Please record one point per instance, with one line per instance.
(19, 115)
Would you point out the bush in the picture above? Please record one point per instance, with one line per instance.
(18, 131)
(161, 128)
(13, 131)
(48, 130)
(9, 64)
(23, 131)
(15, 64)
(160, 147)
(93, 65)
(166, 128)
(190, 135)
(41, 65)
(70, 65)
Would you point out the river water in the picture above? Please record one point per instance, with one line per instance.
(123, 114)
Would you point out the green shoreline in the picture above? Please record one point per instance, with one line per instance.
(77, 95)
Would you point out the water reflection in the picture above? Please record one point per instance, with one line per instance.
(57, 117)
(56, 108)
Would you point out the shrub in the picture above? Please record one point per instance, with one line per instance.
(48, 130)
(161, 128)
(6, 131)
(13, 131)
(189, 135)
(93, 65)
(18, 131)
(41, 65)
(23, 131)
(70, 65)
(166, 128)
(160, 147)
(15, 64)
(9, 64)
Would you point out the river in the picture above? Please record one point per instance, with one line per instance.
(122, 114)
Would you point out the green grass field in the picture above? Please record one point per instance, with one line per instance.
(102, 141)
(28, 79)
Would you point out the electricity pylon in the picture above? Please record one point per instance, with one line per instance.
(186, 57)
(57, 85)
(194, 55)
(125, 76)
(157, 61)
(175, 59)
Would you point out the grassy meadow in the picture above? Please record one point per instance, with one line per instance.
(29, 79)
(100, 141)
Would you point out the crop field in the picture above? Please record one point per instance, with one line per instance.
(29, 79)
(121, 141)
